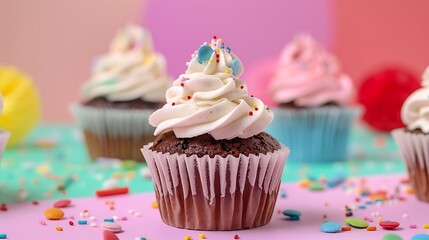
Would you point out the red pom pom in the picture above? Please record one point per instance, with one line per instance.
(383, 94)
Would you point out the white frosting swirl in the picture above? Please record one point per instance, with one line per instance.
(131, 70)
(415, 110)
(209, 98)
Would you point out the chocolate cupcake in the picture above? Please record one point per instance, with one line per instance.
(212, 165)
(127, 85)
(413, 141)
(312, 94)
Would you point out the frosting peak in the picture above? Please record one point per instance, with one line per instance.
(309, 76)
(131, 70)
(415, 110)
(209, 98)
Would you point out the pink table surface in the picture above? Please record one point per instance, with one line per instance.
(21, 221)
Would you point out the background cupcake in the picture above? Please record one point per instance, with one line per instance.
(413, 141)
(126, 86)
(4, 136)
(212, 165)
(312, 94)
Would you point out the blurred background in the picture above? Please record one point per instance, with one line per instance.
(55, 41)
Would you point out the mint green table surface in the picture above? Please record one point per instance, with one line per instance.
(29, 172)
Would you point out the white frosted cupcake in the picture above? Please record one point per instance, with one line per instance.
(313, 115)
(212, 165)
(413, 141)
(4, 136)
(126, 86)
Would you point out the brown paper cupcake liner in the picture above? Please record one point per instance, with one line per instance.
(415, 151)
(114, 133)
(216, 193)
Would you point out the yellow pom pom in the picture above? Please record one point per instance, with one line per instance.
(21, 110)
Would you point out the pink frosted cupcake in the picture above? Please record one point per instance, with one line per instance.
(4, 136)
(213, 167)
(313, 116)
(413, 141)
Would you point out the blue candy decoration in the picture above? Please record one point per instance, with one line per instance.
(204, 53)
(330, 227)
(420, 236)
(335, 180)
(236, 67)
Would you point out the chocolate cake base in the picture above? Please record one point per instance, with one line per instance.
(115, 147)
(261, 143)
(292, 105)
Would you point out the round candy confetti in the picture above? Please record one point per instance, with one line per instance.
(389, 225)
(62, 203)
(315, 186)
(204, 52)
(54, 214)
(330, 227)
(236, 67)
(111, 226)
(391, 236)
(356, 222)
(293, 214)
(420, 237)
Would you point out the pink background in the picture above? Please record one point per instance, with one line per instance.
(55, 41)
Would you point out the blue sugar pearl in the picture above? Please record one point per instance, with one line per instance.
(330, 227)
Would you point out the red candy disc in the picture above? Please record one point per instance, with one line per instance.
(62, 203)
(383, 94)
(389, 225)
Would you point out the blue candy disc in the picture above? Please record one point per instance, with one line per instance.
(330, 227)
(420, 236)
(204, 52)
(236, 67)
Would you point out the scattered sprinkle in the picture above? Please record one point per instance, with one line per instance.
(187, 237)
(3, 236)
(71, 223)
(236, 236)
(59, 229)
(82, 222)
(346, 228)
(202, 236)
(154, 204)
(371, 228)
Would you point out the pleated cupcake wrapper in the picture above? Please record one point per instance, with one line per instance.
(4, 137)
(414, 148)
(222, 186)
(114, 133)
(314, 134)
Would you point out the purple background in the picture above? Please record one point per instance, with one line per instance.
(246, 28)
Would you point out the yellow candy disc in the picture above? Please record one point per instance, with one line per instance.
(21, 110)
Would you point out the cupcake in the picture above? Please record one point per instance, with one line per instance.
(127, 85)
(4, 136)
(413, 141)
(213, 167)
(311, 93)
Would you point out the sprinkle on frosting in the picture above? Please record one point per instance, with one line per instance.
(213, 100)
(309, 76)
(414, 112)
(131, 70)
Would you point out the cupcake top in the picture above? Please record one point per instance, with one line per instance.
(131, 70)
(308, 76)
(415, 110)
(209, 98)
